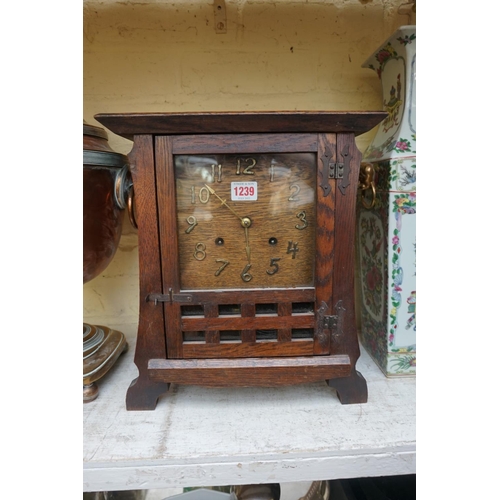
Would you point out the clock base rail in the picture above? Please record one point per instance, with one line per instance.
(336, 370)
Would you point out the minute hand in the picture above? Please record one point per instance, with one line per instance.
(247, 243)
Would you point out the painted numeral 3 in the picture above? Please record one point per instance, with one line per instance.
(302, 217)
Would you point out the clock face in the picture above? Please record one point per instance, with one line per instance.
(246, 221)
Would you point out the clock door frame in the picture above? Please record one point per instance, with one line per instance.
(209, 302)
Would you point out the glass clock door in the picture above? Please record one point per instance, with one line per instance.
(242, 263)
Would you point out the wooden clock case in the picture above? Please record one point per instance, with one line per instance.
(163, 356)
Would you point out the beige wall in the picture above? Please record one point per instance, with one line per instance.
(148, 55)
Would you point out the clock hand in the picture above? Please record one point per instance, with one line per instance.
(223, 202)
(246, 222)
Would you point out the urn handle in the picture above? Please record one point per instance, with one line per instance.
(124, 193)
(131, 206)
(367, 183)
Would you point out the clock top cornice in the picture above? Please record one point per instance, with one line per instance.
(249, 122)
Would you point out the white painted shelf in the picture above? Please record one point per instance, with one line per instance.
(207, 437)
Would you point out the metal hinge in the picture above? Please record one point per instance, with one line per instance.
(336, 170)
(331, 322)
(171, 297)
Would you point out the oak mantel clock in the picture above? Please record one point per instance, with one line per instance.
(246, 249)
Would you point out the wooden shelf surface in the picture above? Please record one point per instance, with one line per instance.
(220, 436)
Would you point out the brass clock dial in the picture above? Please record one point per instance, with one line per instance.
(246, 221)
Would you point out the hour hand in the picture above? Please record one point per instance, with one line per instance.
(223, 202)
(246, 222)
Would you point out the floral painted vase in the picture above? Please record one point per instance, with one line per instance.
(386, 226)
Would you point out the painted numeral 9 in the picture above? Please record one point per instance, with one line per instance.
(191, 220)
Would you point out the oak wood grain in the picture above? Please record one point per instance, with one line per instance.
(248, 332)
(344, 257)
(248, 349)
(168, 241)
(255, 296)
(264, 322)
(285, 331)
(285, 185)
(250, 371)
(325, 237)
(143, 393)
(129, 124)
(244, 143)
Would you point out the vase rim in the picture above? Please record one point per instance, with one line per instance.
(401, 29)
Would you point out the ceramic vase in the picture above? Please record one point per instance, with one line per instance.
(386, 214)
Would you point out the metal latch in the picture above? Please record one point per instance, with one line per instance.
(170, 297)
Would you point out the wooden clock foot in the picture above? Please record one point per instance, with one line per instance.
(143, 394)
(350, 390)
